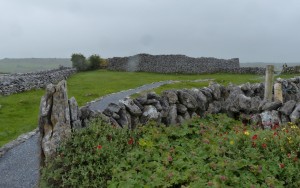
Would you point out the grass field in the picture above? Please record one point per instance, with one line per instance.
(19, 112)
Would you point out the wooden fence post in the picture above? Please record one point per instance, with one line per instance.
(269, 82)
(278, 92)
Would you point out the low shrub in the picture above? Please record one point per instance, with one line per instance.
(87, 158)
(213, 151)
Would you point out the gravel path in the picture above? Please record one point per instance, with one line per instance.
(19, 167)
(102, 103)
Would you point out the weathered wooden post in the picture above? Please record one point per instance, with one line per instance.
(278, 92)
(269, 82)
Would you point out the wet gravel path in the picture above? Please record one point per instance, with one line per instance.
(19, 167)
(102, 103)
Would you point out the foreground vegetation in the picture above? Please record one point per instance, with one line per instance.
(214, 151)
(19, 112)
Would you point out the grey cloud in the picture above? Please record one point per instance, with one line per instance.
(252, 30)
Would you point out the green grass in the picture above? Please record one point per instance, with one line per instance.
(19, 112)
(87, 86)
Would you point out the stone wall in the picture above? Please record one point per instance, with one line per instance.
(16, 83)
(170, 64)
(175, 106)
(58, 115)
(178, 64)
(291, 70)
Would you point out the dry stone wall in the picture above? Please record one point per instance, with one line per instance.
(244, 101)
(16, 83)
(173, 107)
(291, 70)
(178, 64)
(59, 116)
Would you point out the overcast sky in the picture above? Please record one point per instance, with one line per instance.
(253, 30)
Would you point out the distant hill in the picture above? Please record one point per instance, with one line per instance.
(23, 65)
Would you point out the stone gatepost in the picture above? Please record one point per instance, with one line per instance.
(56, 118)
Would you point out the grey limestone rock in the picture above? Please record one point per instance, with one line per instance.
(76, 125)
(113, 107)
(85, 112)
(201, 99)
(179, 119)
(151, 101)
(188, 100)
(138, 104)
(165, 107)
(125, 119)
(172, 115)
(132, 107)
(255, 102)
(171, 96)
(245, 87)
(232, 102)
(216, 90)
(214, 107)
(158, 106)
(255, 120)
(54, 120)
(149, 113)
(74, 110)
(288, 107)
(295, 115)
(181, 108)
(186, 116)
(114, 123)
(142, 99)
(152, 95)
(208, 94)
(269, 106)
(270, 119)
(285, 119)
(244, 102)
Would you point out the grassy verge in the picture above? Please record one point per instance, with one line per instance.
(19, 112)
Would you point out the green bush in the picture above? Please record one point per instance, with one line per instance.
(94, 61)
(213, 151)
(79, 62)
(86, 160)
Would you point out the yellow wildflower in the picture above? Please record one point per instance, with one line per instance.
(246, 133)
(294, 127)
(231, 142)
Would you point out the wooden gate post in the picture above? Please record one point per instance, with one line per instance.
(269, 82)
(278, 92)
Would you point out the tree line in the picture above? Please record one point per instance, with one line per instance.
(81, 63)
